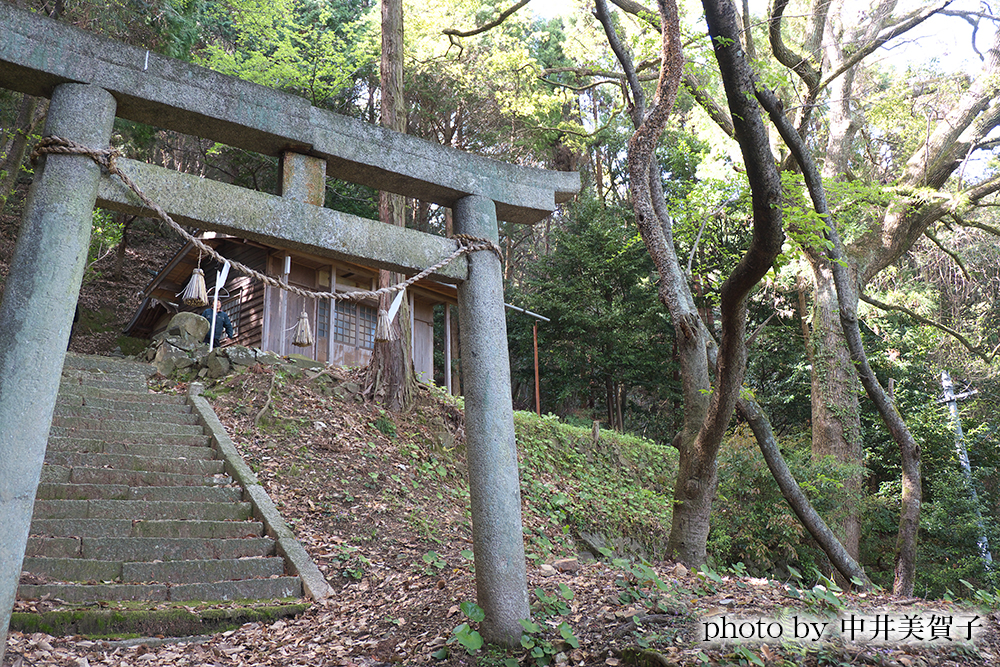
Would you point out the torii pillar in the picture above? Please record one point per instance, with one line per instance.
(36, 313)
(494, 488)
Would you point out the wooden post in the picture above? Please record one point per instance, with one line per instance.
(283, 307)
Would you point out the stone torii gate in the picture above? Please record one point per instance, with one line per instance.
(90, 81)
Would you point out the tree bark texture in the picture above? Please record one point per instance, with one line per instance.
(836, 420)
(15, 144)
(765, 245)
(705, 421)
(390, 376)
(847, 302)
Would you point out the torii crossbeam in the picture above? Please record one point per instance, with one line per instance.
(90, 81)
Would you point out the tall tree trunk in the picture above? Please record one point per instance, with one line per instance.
(705, 421)
(456, 357)
(391, 379)
(120, 251)
(15, 143)
(846, 283)
(609, 399)
(619, 398)
(836, 420)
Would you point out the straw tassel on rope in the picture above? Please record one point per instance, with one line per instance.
(303, 334)
(195, 294)
(383, 327)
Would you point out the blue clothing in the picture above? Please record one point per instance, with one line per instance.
(222, 324)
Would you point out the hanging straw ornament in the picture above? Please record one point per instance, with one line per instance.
(383, 326)
(195, 293)
(303, 335)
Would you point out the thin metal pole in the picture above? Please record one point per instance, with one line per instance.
(538, 399)
(447, 347)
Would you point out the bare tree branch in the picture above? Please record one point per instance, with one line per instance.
(639, 10)
(581, 89)
(966, 343)
(753, 337)
(891, 33)
(454, 34)
(614, 78)
(951, 253)
(979, 192)
(977, 225)
(797, 63)
(625, 59)
(793, 493)
(714, 110)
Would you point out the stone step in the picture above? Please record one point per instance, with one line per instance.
(163, 403)
(127, 412)
(140, 509)
(134, 505)
(101, 447)
(159, 528)
(141, 372)
(134, 438)
(82, 427)
(247, 589)
(174, 572)
(61, 474)
(98, 364)
(70, 381)
(71, 393)
(213, 494)
(146, 550)
(203, 467)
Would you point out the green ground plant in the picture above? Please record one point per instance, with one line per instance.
(751, 522)
(621, 486)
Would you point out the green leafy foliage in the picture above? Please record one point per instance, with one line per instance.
(608, 335)
(540, 649)
(350, 562)
(825, 597)
(751, 522)
(311, 48)
(434, 562)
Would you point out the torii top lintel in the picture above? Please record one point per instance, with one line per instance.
(37, 54)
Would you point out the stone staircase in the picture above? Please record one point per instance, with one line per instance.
(138, 502)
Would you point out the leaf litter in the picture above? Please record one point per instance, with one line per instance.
(380, 502)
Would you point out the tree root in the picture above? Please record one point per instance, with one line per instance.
(644, 657)
(641, 619)
(267, 403)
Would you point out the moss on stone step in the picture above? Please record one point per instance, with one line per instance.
(180, 621)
